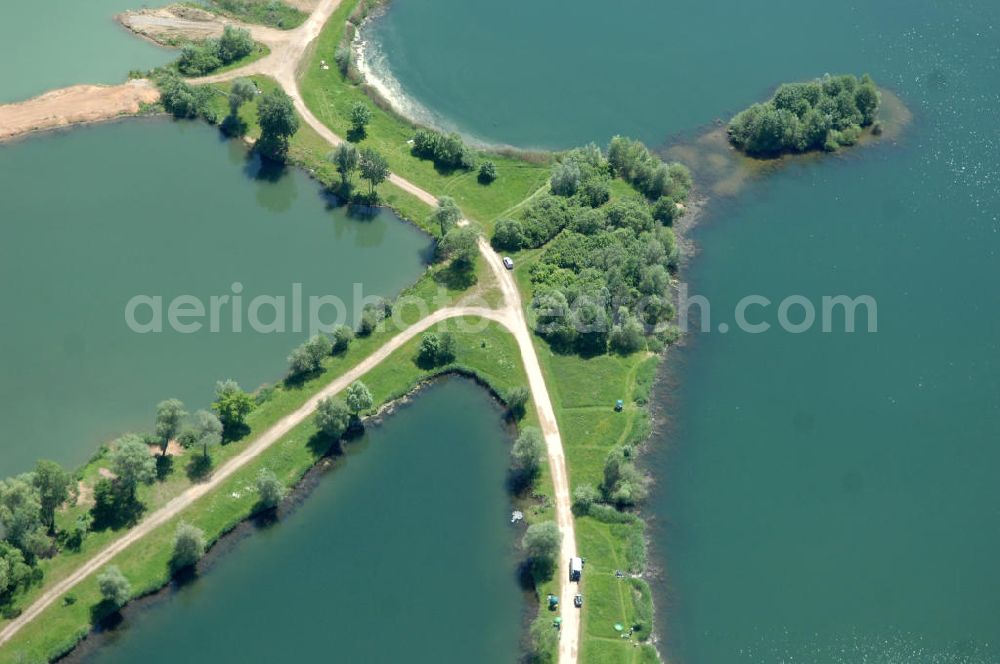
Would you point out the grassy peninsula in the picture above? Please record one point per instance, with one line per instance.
(591, 233)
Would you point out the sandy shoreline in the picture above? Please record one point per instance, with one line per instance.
(78, 104)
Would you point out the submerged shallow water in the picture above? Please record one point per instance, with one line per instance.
(820, 497)
(98, 215)
(66, 42)
(394, 557)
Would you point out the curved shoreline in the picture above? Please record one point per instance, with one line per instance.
(97, 637)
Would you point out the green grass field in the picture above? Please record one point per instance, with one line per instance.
(584, 391)
(330, 95)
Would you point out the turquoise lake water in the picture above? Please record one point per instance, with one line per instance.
(66, 42)
(394, 557)
(820, 497)
(98, 215)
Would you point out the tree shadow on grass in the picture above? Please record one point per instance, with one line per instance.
(164, 466)
(198, 468)
(456, 277)
(355, 134)
(123, 511)
(234, 432)
(297, 380)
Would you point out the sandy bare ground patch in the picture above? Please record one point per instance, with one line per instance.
(173, 24)
(84, 495)
(174, 449)
(177, 24)
(75, 105)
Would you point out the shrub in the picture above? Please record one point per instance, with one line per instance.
(595, 191)
(517, 401)
(270, 489)
(308, 358)
(189, 546)
(361, 115)
(508, 235)
(333, 417)
(584, 497)
(114, 587)
(182, 101)
(541, 543)
(487, 172)
(343, 335)
(634, 163)
(543, 641)
(372, 315)
(199, 59)
(447, 151)
(527, 455)
(235, 43)
(565, 178)
(436, 349)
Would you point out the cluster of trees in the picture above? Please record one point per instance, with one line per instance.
(447, 151)
(275, 110)
(372, 315)
(663, 184)
(207, 56)
(28, 505)
(334, 416)
(308, 357)
(604, 276)
(372, 165)
(29, 502)
(459, 244)
(436, 349)
(184, 101)
(623, 485)
(819, 115)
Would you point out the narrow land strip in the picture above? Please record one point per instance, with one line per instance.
(266, 439)
(282, 64)
(78, 104)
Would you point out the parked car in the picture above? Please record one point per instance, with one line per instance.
(578, 601)
(508, 263)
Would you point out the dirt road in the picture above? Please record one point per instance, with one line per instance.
(253, 450)
(282, 65)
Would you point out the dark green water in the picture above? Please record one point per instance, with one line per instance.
(66, 42)
(98, 215)
(826, 498)
(395, 557)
